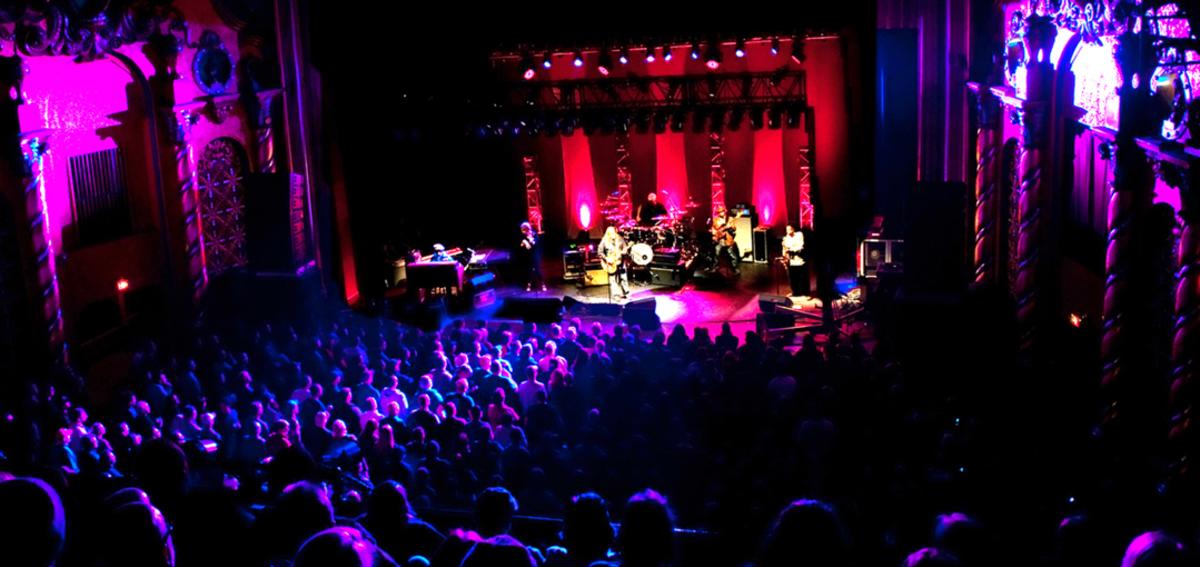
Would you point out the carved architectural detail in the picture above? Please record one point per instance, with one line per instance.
(220, 176)
(987, 159)
(34, 146)
(180, 121)
(88, 29)
(264, 132)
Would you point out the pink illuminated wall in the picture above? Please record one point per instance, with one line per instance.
(770, 197)
(580, 184)
(672, 169)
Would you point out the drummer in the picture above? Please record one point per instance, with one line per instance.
(651, 212)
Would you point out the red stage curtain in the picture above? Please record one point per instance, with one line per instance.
(769, 196)
(672, 169)
(582, 207)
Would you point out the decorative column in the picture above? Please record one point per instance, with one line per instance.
(181, 120)
(1030, 282)
(1124, 348)
(33, 149)
(1185, 332)
(987, 176)
(264, 131)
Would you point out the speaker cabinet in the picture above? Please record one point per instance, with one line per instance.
(762, 243)
(669, 277)
(642, 313)
(767, 302)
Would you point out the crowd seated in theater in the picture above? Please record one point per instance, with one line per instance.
(366, 442)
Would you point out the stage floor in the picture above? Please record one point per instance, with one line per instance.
(707, 303)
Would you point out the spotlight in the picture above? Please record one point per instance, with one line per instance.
(717, 120)
(122, 284)
(604, 62)
(578, 58)
(793, 116)
(699, 121)
(739, 48)
(527, 69)
(798, 49)
(695, 50)
(624, 56)
(546, 60)
(774, 117)
(775, 45)
(660, 121)
(756, 118)
(712, 59)
(649, 53)
(666, 50)
(735, 117)
(677, 121)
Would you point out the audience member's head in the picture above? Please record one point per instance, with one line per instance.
(1155, 549)
(31, 520)
(805, 532)
(647, 536)
(494, 510)
(930, 557)
(587, 530)
(499, 551)
(340, 547)
(137, 534)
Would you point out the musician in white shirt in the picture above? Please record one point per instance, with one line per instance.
(793, 245)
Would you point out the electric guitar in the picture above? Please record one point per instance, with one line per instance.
(724, 233)
(615, 257)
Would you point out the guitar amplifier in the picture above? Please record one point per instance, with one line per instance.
(573, 265)
(594, 276)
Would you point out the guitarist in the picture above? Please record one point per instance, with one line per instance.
(723, 233)
(612, 252)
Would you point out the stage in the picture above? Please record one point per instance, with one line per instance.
(706, 302)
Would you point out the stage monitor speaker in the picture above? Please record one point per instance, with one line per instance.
(533, 309)
(642, 314)
(644, 304)
(669, 277)
(762, 242)
(767, 302)
(276, 222)
(744, 235)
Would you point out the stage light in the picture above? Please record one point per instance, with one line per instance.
(624, 56)
(666, 50)
(695, 50)
(712, 59)
(717, 120)
(793, 116)
(756, 118)
(649, 53)
(122, 284)
(735, 118)
(798, 49)
(527, 69)
(699, 121)
(774, 117)
(660, 121)
(604, 62)
(585, 216)
(739, 48)
(677, 121)
(1076, 320)
(578, 58)
(775, 45)
(547, 60)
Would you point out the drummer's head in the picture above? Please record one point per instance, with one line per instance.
(653, 197)
(526, 227)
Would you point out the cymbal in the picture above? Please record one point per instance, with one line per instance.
(661, 218)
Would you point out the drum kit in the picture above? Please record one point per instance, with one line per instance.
(671, 232)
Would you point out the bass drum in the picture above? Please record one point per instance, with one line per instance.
(641, 254)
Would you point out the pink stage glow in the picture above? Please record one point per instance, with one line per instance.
(713, 64)
(769, 195)
(579, 180)
(585, 216)
(671, 168)
(529, 74)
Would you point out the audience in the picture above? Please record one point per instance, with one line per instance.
(268, 446)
